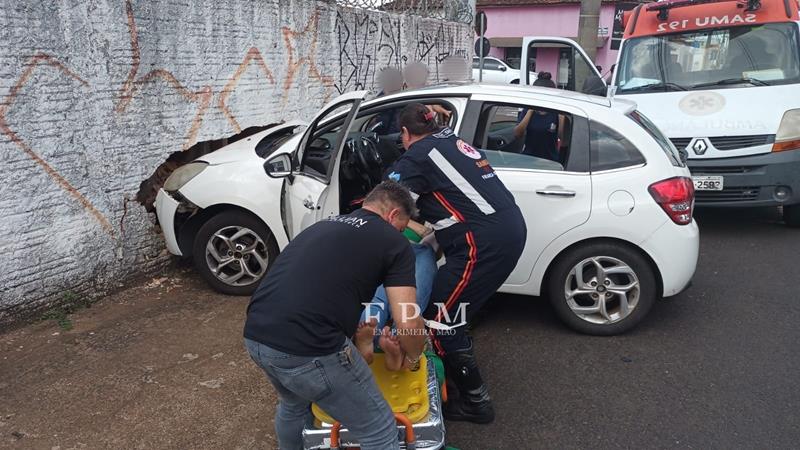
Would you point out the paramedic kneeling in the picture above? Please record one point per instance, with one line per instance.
(302, 316)
(481, 231)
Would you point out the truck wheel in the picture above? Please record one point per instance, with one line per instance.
(791, 215)
(602, 288)
(233, 251)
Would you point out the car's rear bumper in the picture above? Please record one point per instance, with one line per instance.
(674, 249)
(751, 180)
(166, 206)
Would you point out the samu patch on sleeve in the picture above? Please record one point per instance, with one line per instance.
(394, 176)
(468, 150)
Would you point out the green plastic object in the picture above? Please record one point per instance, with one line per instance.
(411, 235)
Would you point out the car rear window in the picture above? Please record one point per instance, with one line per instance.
(610, 150)
(666, 145)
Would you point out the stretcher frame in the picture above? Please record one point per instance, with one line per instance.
(428, 434)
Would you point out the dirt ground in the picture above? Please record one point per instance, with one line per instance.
(161, 365)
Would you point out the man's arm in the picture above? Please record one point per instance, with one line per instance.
(410, 326)
(519, 130)
(419, 228)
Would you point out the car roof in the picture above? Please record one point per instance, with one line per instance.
(519, 91)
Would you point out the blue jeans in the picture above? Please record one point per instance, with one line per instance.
(424, 271)
(340, 383)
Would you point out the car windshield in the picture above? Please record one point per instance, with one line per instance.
(742, 56)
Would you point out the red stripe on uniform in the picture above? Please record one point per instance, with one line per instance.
(454, 212)
(465, 276)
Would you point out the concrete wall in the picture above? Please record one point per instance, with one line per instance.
(95, 94)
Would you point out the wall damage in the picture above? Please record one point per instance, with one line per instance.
(94, 96)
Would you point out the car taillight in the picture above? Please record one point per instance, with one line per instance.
(676, 197)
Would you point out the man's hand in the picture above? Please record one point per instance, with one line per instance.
(409, 324)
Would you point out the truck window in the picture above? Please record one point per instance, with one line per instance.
(570, 70)
(740, 56)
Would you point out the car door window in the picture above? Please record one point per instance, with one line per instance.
(610, 150)
(379, 144)
(491, 64)
(324, 140)
(525, 137)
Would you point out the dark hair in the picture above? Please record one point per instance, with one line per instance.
(544, 79)
(393, 194)
(418, 119)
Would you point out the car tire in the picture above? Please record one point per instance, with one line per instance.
(791, 215)
(631, 271)
(233, 251)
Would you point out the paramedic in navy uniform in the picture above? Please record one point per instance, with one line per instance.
(481, 231)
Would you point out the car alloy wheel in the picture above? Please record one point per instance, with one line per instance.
(602, 290)
(237, 256)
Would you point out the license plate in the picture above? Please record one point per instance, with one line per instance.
(707, 183)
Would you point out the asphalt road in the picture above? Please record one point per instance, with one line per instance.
(714, 367)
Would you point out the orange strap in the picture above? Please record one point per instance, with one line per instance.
(398, 417)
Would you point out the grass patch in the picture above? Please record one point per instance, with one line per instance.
(71, 303)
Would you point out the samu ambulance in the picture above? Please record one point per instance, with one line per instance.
(721, 79)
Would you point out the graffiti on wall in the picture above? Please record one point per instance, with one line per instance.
(367, 44)
(132, 86)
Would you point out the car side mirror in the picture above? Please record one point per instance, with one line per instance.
(279, 166)
(503, 68)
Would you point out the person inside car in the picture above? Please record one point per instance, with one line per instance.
(482, 232)
(390, 81)
(540, 128)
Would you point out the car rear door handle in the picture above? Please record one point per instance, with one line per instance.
(556, 192)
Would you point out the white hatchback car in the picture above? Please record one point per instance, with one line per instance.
(609, 219)
(496, 71)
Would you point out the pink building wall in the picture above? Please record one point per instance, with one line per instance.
(547, 20)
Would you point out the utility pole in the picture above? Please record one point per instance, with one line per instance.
(588, 24)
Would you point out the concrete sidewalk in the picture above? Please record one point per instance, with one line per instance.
(160, 365)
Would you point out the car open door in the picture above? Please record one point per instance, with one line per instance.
(310, 189)
(569, 65)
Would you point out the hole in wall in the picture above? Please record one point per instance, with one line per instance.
(148, 189)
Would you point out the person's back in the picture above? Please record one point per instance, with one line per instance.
(458, 180)
(311, 298)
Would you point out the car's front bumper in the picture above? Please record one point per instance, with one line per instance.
(674, 249)
(751, 180)
(166, 207)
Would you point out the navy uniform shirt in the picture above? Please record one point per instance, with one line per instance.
(312, 297)
(453, 181)
(541, 134)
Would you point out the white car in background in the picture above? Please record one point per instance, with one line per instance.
(496, 71)
(610, 226)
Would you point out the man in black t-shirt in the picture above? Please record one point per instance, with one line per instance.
(302, 316)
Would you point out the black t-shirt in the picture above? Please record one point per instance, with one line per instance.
(312, 297)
